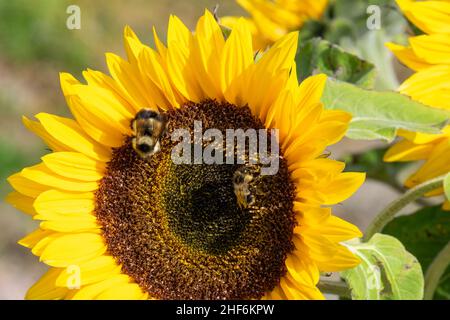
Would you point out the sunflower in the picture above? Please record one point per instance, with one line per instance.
(429, 56)
(141, 229)
(272, 19)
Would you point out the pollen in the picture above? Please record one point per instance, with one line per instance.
(178, 230)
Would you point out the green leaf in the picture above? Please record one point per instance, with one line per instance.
(378, 115)
(425, 233)
(447, 186)
(345, 23)
(320, 56)
(387, 271)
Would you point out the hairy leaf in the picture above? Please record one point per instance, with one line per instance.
(425, 233)
(320, 56)
(387, 271)
(378, 115)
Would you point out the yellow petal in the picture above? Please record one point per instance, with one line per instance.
(99, 79)
(318, 168)
(318, 247)
(26, 186)
(337, 230)
(237, 57)
(446, 206)
(311, 215)
(126, 291)
(407, 56)
(407, 151)
(85, 223)
(151, 65)
(45, 289)
(131, 50)
(129, 81)
(430, 86)
(436, 165)
(105, 108)
(343, 259)
(303, 271)
(66, 249)
(435, 48)
(429, 16)
(69, 133)
(91, 291)
(343, 186)
(41, 174)
(180, 68)
(94, 270)
(56, 202)
(296, 292)
(310, 90)
(21, 202)
(75, 165)
(40, 131)
(34, 238)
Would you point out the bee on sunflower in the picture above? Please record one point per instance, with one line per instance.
(429, 56)
(147, 228)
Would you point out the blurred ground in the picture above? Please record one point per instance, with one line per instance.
(35, 46)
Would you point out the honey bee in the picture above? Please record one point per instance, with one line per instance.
(244, 183)
(148, 127)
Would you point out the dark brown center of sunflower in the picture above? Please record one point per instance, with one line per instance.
(177, 229)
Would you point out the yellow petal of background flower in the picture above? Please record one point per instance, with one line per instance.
(407, 56)
(429, 16)
(434, 49)
(407, 151)
(436, 165)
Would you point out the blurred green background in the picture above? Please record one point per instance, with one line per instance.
(35, 45)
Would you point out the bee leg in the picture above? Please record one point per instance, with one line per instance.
(157, 148)
(133, 143)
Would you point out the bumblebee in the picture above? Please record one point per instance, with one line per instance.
(245, 185)
(148, 127)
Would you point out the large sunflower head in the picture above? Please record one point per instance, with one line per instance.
(429, 56)
(136, 228)
(272, 19)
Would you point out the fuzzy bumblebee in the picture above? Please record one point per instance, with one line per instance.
(148, 127)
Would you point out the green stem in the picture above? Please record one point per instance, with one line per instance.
(333, 287)
(436, 271)
(385, 216)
